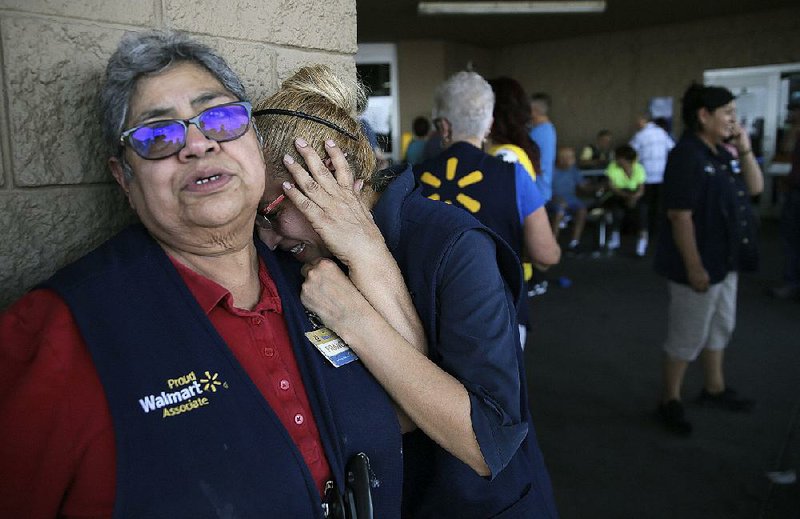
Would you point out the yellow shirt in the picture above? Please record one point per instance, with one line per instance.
(505, 150)
(620, 180)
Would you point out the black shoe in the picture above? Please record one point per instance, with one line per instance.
(785, 292)
(726, 400)
(574, 250)
(671, 416)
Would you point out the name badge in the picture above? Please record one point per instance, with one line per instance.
(332, 347)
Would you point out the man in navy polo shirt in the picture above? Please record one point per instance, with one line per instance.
(710, 236)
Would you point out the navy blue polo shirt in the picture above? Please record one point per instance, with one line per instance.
(708, 183)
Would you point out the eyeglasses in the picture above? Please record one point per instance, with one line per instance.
(162, 139)
(263, 219)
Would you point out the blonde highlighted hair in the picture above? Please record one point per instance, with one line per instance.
(316, 92)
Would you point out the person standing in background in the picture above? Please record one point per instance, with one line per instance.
(502, 195)
(508, 139)
(709, 236)
(416, 148)
(652, 145)
(543, 133)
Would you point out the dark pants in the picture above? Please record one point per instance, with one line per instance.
(652, 200)
(790, 234)
(619, 210)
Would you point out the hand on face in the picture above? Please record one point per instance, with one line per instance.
(332, 204)
(330, 294)
(741, 139)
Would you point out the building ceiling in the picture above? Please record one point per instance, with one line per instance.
(394, 20)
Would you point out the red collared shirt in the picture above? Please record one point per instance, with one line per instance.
(57, 453)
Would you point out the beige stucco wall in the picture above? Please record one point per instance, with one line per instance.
(424, 64)
(57, 200)
(604, 80)
(420, 68)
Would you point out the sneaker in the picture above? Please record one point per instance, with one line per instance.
(538, 289)
(671, 416)
(573, 248)
(726, 400)
(641, 247)
(613, 242)
(784, 292)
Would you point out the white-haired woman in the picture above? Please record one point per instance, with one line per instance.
(459, 377)
(500, 194)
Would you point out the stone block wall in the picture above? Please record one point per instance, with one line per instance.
(57, 197)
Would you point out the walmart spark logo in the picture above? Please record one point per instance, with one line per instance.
(473, 177)
(210, 383)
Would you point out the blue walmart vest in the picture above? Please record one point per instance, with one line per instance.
(194, 436)
(466, 177)
(522, 489)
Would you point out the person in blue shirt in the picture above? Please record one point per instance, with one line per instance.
(416, 148)
(543, 133)
(423, 294)
(568, 185)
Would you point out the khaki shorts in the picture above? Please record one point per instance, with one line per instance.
(696, 321)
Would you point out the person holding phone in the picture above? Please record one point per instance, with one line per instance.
(709, 235)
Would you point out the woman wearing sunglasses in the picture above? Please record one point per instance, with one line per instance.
(460, 379)
(168, 373)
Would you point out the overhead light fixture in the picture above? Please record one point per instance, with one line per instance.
(576, 6)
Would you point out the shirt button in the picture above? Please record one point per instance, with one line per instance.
(741, 193)
(256, 320)
(284, 384)
(745, 241)
(269, 352)
(298, 419)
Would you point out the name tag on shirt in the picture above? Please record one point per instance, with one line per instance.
(332, 347)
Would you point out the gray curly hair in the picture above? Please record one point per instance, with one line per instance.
(467, 101)
(141, 54)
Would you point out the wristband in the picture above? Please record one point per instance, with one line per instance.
(743, 153)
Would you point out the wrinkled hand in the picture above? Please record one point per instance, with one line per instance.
(330, 294)
(332, 203)
(698, 279)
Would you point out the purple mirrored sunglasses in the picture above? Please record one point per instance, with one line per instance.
(161, 139)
